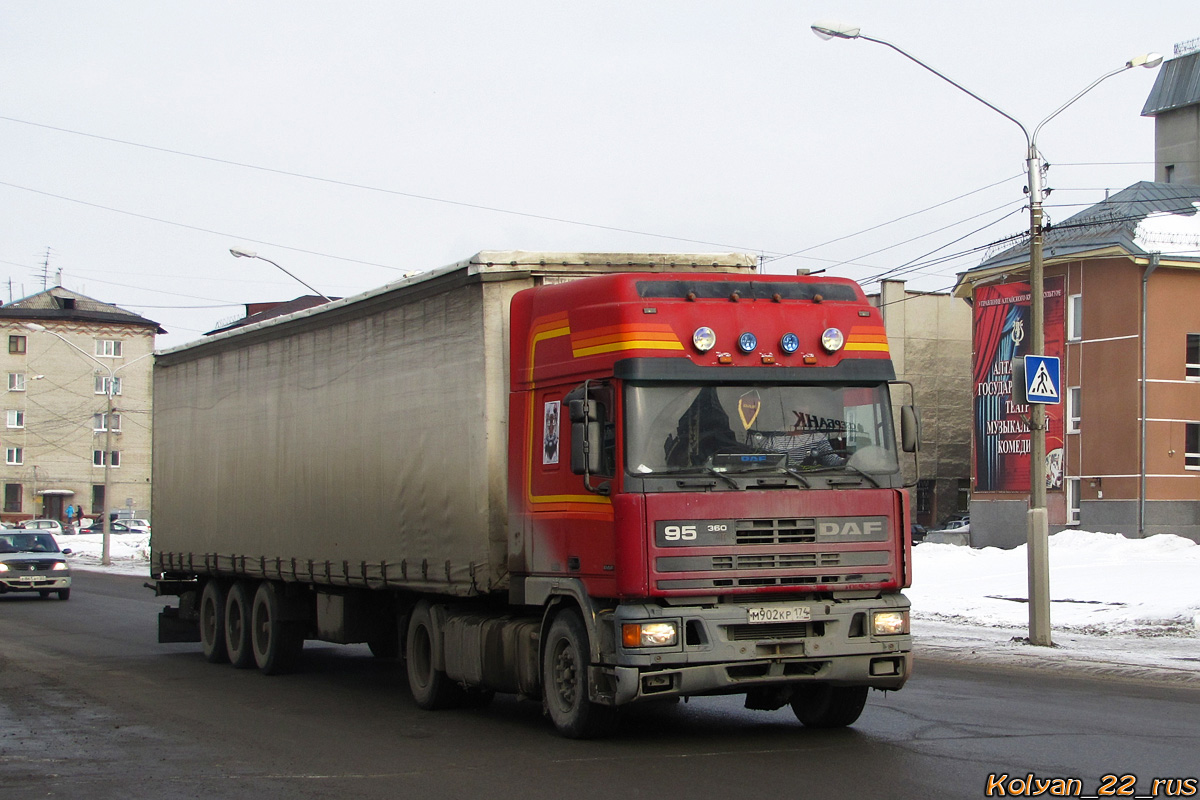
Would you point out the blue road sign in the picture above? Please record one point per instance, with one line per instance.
(1042, 379)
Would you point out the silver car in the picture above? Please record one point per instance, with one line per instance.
(31, 561)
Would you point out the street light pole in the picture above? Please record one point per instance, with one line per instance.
(110, 387)
(248, 254)
(1038, 530)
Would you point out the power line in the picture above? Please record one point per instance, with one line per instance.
(368, 188)
(897, 219)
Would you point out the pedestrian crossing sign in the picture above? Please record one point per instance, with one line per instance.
(1042, 384)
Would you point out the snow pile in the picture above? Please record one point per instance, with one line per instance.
(1100, 584)
(128, 552)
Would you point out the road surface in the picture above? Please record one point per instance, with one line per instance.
(92, 707)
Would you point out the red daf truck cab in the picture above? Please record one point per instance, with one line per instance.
(704, 481)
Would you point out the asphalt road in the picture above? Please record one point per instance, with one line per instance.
(92, 707)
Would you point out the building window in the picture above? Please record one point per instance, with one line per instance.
(110, 348)
(964, 495)
(16, 419)
(16, 345)
(1075, 317)
(924, 496)
(1168, 173)
(98, 458)
(97, 499)
(12, 497)
(1191, 449)
(1072, 501)
(103, 382)
(100, 423)
(1193, 356)
(14, 456)
(16, 381)
(1073, 406)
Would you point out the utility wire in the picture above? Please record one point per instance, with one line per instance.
(368, 188)
(897, 219)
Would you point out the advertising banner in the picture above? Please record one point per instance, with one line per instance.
(1002, 441)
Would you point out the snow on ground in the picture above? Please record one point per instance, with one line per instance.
(1118, 606)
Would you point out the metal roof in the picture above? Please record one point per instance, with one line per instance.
(1177, 85)
(1110, 223)
(58, 303)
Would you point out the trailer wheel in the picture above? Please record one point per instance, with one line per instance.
(212, 622)
(565, 681)
(276, 643)
(823, 706)
(237, 626)
(431, 687)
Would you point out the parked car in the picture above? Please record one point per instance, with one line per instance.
(52, 525)
(97, 526)
(137, 525)
(918, 532)
(31, 561)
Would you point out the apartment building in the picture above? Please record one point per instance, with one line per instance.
(77, 407)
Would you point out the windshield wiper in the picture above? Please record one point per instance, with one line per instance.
(781, 468)
(847, 466)
(709, 471)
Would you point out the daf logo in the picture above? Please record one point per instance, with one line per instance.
(866, 527)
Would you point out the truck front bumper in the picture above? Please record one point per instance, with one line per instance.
(720, 652)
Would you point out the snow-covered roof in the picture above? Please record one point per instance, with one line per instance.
(1147, 217)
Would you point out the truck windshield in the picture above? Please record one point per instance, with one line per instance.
(729, 429)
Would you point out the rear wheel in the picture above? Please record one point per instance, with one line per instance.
(237, 626)
(431, 687)
(823, 706)
(276, 643)
(565, 664)
(212, 622)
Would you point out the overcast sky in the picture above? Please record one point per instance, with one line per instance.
(351, 142)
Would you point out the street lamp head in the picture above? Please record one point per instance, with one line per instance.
(828, 29)
(242, 253)
(33, 326)
(1148, 60)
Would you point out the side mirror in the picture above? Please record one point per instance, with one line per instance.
(910, 429)
(586, 452)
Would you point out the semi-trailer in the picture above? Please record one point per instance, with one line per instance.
(587, 479)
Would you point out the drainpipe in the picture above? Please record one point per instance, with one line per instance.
(1142, 467)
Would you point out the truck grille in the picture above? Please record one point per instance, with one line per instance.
(776, 561)
(774, 631)
(775, 531)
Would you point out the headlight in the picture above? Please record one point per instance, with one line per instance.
(832, 340)
(890, 623)
(704, 338)
(59, 565)
(649, 634)
(3, 567)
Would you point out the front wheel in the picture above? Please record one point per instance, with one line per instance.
(64, 594)
(565, 664)
(823, 706)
